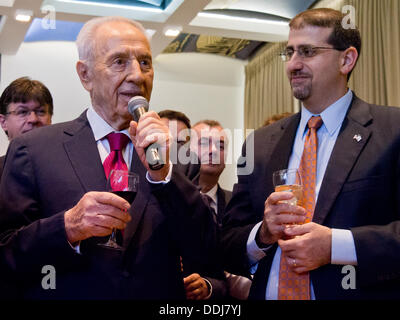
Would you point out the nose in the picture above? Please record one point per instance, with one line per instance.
(32, 117)
(294, 64)
(135, 73)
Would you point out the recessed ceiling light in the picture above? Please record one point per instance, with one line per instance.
(112, 5)
(23, 15)
(244, 19)
(172, 31)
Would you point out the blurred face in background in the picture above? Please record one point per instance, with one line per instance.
(210, 144)
(179, 131)
(22, 117)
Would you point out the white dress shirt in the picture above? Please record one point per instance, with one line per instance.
(343, 247)
(101, 129)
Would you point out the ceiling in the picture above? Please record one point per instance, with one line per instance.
(255, 20)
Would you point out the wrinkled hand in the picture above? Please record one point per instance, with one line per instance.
(95, 215)
(277, 216)
(148, 130)
(309, 247)
(196, 287)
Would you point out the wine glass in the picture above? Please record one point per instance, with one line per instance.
(124, 184)
(289, 180)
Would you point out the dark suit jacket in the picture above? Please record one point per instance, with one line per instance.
(2, 159)
(360, 191)
(219, 285)
(47, 172)
(223, 197)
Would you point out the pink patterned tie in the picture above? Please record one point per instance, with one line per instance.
(294, 286)
(115, 160)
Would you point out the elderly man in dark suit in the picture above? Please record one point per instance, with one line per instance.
(54, 211)
(349, 154)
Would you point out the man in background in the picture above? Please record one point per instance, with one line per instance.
(179, 127)
(24, 105)
(179, 123)
(209, 142)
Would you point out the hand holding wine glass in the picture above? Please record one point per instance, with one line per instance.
(124, 184)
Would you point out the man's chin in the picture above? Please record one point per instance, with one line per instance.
(301, 94)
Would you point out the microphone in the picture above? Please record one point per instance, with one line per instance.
(138, 106)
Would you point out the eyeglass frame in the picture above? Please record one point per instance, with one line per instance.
(25, 113)
(314, 49)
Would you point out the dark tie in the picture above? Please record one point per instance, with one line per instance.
(208, 201)
(294, 286)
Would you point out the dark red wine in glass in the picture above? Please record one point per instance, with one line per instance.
(125, 185)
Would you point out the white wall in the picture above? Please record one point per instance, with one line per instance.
(200, 85)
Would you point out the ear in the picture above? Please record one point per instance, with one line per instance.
(349, 60)
(3, 122)
(84, 74)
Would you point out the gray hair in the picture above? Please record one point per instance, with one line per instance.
(85, 39)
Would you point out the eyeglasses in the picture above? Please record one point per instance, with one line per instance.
(24, 113)
(304, 52)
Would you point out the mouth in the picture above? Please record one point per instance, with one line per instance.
(127, 95)
(298, 78)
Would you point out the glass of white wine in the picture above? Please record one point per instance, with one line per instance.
(289, 180)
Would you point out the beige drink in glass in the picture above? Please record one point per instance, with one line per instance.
(289, 180)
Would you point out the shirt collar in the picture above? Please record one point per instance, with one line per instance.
(99, 126)
(332, 116)
(212, 193)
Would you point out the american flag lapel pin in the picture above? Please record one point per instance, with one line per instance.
(357, 137)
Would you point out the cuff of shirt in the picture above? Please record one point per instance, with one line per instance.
(76, 248)
(209, 285)
(167, 178)
(343, 248)
(254, 252)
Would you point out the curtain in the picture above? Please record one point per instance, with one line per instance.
(267, 90)
(376, 77)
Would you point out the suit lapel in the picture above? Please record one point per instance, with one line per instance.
(344, 156)
(282, 144)
(82, 151)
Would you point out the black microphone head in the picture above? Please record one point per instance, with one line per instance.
(137, 106)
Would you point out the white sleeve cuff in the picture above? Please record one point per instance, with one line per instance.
(76, 248)
(254, 253)
(167, 178)
(209, 285)
(343, 248)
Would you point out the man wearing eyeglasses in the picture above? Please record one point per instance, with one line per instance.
(24, 105)
(348, 154)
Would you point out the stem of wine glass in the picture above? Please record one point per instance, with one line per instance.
(113, 236)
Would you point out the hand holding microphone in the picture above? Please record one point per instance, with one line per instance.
(150, 136)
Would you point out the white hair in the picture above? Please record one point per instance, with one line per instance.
(86, 37)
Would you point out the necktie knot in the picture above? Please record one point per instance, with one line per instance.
(207, 199)
(117, 141)
(315, 122)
